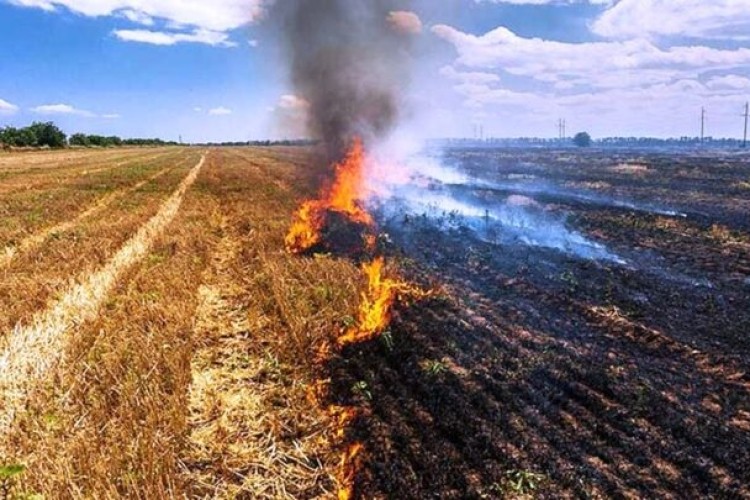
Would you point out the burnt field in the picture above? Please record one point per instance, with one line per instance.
(589, 335)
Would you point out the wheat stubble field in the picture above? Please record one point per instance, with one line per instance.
(157, 340)
(156, 337)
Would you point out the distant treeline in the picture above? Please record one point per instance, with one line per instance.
(288, 142)
(100, 141)
(49, 135)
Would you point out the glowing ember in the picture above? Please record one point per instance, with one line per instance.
(344, 196)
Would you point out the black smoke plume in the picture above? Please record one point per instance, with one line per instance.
(350, 63)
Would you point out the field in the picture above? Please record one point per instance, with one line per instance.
(585, 334)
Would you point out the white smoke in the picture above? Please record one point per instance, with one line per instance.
(404, 181)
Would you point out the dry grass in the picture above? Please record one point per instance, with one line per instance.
(29, 210)
(254, 431)
(193, 377)
(32, 350)
(35, 278)
(56, 173)
(37, 239)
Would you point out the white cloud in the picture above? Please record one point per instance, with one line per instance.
(597, 64)
(166, 38)
(720, 19)
(253, 43)
(635, 86)
(138, 17)
(193, 21)
(7, 108)
(216, 15)
(111, 116)
(730, 83)
(61, 109)
(220, 111)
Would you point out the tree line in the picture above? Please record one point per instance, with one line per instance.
(47, 134)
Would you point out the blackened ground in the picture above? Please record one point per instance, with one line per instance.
(583, 378)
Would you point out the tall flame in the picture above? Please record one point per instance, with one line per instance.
(344, 196)
(375, 308)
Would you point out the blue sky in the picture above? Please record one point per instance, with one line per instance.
(213, 71)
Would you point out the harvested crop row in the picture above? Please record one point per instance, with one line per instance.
(264, 317)
(32, 350)
(37, 239)
(18, 164)
(34, 278)
(119, 396)
(28, 212)
(13, 182)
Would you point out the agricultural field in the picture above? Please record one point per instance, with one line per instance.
(558, 324)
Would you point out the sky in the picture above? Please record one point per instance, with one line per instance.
(213, 71)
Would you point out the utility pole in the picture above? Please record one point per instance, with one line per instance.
(565, 132)
(747, 112)
(703, 124)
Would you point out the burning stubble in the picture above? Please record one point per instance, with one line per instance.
(350, 63)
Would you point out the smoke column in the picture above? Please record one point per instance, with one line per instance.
(351, 65)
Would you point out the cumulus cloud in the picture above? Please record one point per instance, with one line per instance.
(67, 109)
(594, 64)
(7, 108)
(220, 111)
(719, 19)
(405, 22)
(196, 21)
(636, 85)
(216, 15)
(61, 109)
(729, 82)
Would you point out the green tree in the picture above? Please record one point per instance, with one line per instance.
(48, 134)
(582, 140)
(79, 140)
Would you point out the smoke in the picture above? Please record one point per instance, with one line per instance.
(349, 61)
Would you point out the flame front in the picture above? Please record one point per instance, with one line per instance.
(375, 308)
(344, 196)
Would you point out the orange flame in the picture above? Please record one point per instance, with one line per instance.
(344, 196)
(349, 467)
(376, 305)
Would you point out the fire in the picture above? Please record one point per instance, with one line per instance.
(344, 196)
(375, 308)
(349, 467)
